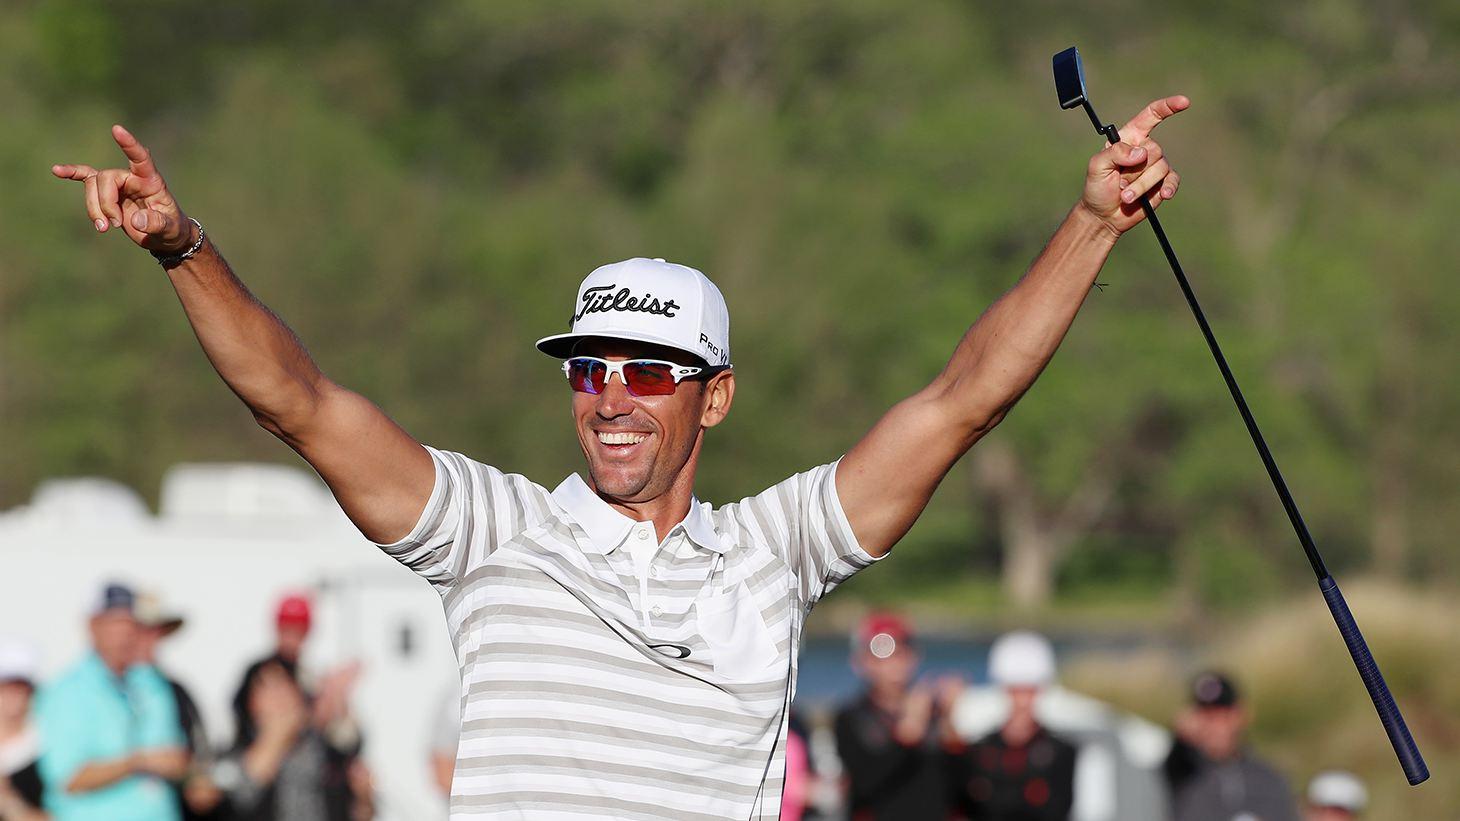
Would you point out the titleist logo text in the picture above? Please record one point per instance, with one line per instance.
(604, 299)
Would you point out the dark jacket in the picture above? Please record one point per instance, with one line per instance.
(998, 782)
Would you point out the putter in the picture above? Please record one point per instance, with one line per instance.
(1069, 82)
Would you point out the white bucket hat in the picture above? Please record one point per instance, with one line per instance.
(1336, 788)
(649, 300)
(19, 660)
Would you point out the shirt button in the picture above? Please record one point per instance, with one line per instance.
(643, 534)
(656, 610)
(653, 572)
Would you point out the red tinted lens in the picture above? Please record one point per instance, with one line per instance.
(649, 378)
(585, 375)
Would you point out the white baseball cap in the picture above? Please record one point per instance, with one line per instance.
(19, 660)
(1022, 658)
(1336, 788)
(648, 300)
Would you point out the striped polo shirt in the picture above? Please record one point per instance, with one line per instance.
(591, 689)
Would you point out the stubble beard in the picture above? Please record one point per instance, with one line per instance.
(639, 483)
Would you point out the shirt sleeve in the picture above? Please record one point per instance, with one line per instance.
(472, 509)
(803, 517)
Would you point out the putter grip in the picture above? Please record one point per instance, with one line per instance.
(1404, 747)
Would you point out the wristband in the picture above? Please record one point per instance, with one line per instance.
(173, 260)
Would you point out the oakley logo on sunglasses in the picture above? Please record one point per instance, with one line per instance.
(598, 300)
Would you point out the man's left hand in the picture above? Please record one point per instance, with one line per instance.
(1120, 175)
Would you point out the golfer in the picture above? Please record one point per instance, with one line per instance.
(625, 649)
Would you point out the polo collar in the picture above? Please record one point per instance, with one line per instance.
(607, 528)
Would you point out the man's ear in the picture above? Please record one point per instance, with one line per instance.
(719, 393)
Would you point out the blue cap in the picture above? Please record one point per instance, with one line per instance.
(115, 596)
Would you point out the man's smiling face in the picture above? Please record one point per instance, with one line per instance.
(637, 447)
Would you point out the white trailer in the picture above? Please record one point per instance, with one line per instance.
(228, 540)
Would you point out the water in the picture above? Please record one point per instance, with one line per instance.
(827, 678)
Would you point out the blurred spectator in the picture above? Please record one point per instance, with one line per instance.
(283, 767)
(20, 780)
(197, 795)
(292, 621)
(1213, 776)
(889, 738)
(1020, 772)
(296, 752)
(110, 737)
(329, 704)
(1336, 796)
(445, 733)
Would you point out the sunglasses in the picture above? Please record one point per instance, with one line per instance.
(642, 377)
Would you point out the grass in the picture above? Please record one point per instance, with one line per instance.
(1310, 709)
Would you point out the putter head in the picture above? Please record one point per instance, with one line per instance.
(1069, 78)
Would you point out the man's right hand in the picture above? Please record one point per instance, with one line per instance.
(134, 199)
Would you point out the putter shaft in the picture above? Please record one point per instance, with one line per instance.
(1410, 760)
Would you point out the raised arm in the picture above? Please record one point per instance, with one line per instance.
(380, 475)
(920, 438)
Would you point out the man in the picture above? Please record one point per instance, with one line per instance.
(1212, 774)
(651, 680)
(1020, 772)
(1336, 795)
(110, 738)
(20, 780)
(890, 739)
(197, 795)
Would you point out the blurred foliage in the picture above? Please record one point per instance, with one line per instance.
(417, 188)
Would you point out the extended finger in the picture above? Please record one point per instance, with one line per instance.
(108, 194)
(1151, 116)
(73, 172)
(138, 156)
(1147, 180)
(93, 204)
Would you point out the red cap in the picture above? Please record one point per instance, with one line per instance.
(882, 634)
(293, 611)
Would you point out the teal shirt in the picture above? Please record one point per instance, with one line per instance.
(86, 715)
